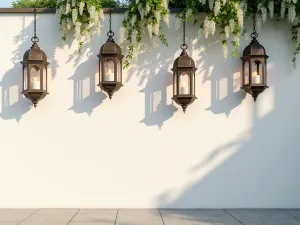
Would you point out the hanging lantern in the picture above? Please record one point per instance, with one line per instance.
(35, 71)
(110, 64)
(184, 77)
(254, 73)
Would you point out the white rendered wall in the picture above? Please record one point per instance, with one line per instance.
(79, 149)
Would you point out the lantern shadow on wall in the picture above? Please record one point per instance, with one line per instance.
(86, 98)
(225, 85)
(157, 111)
(223, 75)
(13, 104)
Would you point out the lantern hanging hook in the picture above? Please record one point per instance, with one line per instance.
(110, 33)
(184, 46)
(254, 34)
(35, 39)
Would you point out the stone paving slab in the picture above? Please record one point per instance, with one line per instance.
(264, 217)
(15, 215)
(99, 216)
(54, 216)
(149, 217)
(139, 217)
(9, 223)
(198, 217)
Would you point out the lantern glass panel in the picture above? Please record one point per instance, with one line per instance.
(109, 69)
(175, 83)
(25, 78)
(100, 71)
(35, 77)
(45, 79)
(246, 73)
(257, 72)
(184, 83)
(193, 84)
(119, 70)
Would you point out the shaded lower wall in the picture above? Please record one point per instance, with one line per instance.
(79, 149)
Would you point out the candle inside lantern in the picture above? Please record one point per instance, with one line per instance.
(255, 78)
(109, 75)
(35, 83)
(184, 89)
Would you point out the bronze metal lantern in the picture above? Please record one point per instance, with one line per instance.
(35, 71)
(184, 77)
(110, 65)
(254, 71)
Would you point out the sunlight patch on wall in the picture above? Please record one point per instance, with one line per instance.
(222, 88)
(266, 103)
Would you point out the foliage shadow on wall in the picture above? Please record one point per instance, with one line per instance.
(260, 164)
(14, 104)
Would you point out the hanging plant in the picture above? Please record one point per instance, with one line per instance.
(79, 17)
(145, 14)
(228, 15)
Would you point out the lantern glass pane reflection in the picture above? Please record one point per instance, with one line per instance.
(35, 78)
(45, 88)
(109, 70)
(25, 78)
(119, 70)
(246, 73)
(256, 72)
(184, 82)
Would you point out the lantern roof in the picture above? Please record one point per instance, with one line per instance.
(184, 61)
(35, 54)
(110, 47)
(254, 49)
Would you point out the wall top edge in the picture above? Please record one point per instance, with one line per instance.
(45, 10)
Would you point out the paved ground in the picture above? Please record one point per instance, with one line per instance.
(148, 217)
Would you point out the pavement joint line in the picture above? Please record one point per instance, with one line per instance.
(116, 217)
(233, 216)
(161, 217)
(28, 216)
(292, 215)
(73, 217)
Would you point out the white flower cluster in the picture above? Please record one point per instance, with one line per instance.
(225, 50)
(209, 27)
(74, 9)
(217, 7)
(211, 4)
(292, 13)
(153, 18)
(271, 8)
(291, 9)
(81, 7)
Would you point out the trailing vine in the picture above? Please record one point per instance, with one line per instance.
(80, 17)
(144, 14)
(229, 16)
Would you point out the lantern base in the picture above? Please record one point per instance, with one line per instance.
(35, 95)
(184, 100)
(254, 90)
(110, 87)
